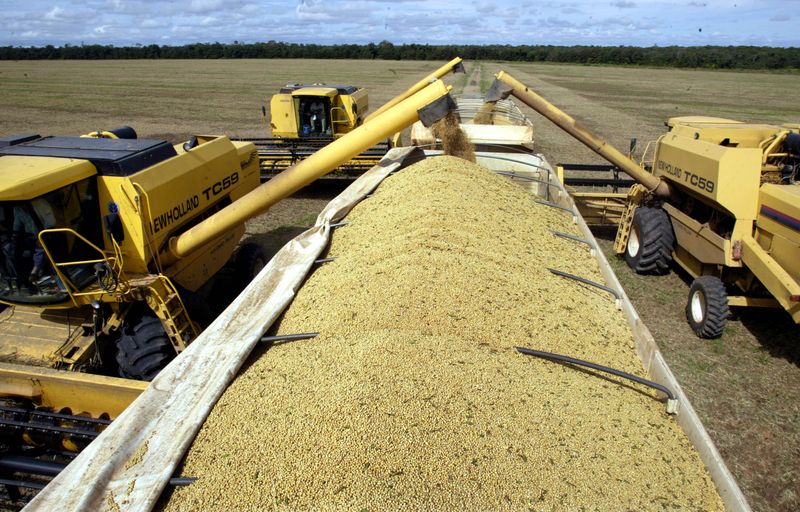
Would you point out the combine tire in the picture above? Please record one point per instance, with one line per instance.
(249, 261)
(649, 249)
(707, 307)
(144, 348)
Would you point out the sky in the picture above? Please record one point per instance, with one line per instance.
(621, 22)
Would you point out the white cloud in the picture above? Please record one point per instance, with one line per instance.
(54, 14)
(154, 23)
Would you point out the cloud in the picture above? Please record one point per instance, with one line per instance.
(54, 14)
(313, 10)
(203, 6)
(781, 17)
(154, 23)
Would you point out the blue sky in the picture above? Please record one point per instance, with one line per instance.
(621, 22)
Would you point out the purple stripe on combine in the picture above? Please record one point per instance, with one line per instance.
(784, 219)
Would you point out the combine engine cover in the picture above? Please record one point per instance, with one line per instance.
(712, 163)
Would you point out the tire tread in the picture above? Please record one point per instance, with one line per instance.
(656, 241)
(144, 348)
(717, 310)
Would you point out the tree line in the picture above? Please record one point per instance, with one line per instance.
(712, 57)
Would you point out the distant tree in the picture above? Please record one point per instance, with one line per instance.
(714, 57)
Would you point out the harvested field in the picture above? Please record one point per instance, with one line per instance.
(175, 99)
(413, 396)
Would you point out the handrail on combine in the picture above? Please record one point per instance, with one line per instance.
(66, 282)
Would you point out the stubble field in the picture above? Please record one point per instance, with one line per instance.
(744, 385)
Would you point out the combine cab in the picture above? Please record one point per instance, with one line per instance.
(317, 111)
(305, 118)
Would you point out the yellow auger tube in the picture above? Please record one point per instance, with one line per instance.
(306, 171)
(592, 141)
(439, 73)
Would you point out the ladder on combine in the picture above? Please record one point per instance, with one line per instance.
(166, 303)
(635, 196)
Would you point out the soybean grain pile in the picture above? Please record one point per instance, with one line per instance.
(413, 396)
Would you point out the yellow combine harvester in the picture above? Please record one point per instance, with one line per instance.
(305, 118)
(723, 201)
(86, 222)
(104, 239)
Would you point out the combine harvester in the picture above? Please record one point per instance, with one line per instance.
(130, 464)
(722, 201)
(306, 118)
(130, 229)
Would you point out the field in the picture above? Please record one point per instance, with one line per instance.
(174, 98)
(744, 385)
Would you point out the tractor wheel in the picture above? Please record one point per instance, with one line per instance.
(249, 261)
(144, 348)
(707, 307)
(649, 249)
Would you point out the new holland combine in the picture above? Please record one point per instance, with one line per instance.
(108, 241)
(306, 117)
(722, 201)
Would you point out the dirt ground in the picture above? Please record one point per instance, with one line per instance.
(743, 386)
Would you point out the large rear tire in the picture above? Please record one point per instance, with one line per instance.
(144, 348)
(650, 243)
(707, 307)
(250, 259)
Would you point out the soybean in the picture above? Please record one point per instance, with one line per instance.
(413, 397)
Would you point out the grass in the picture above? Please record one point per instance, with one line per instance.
(486, 79)
(743, 385)
(174, 98)
(620, 103)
